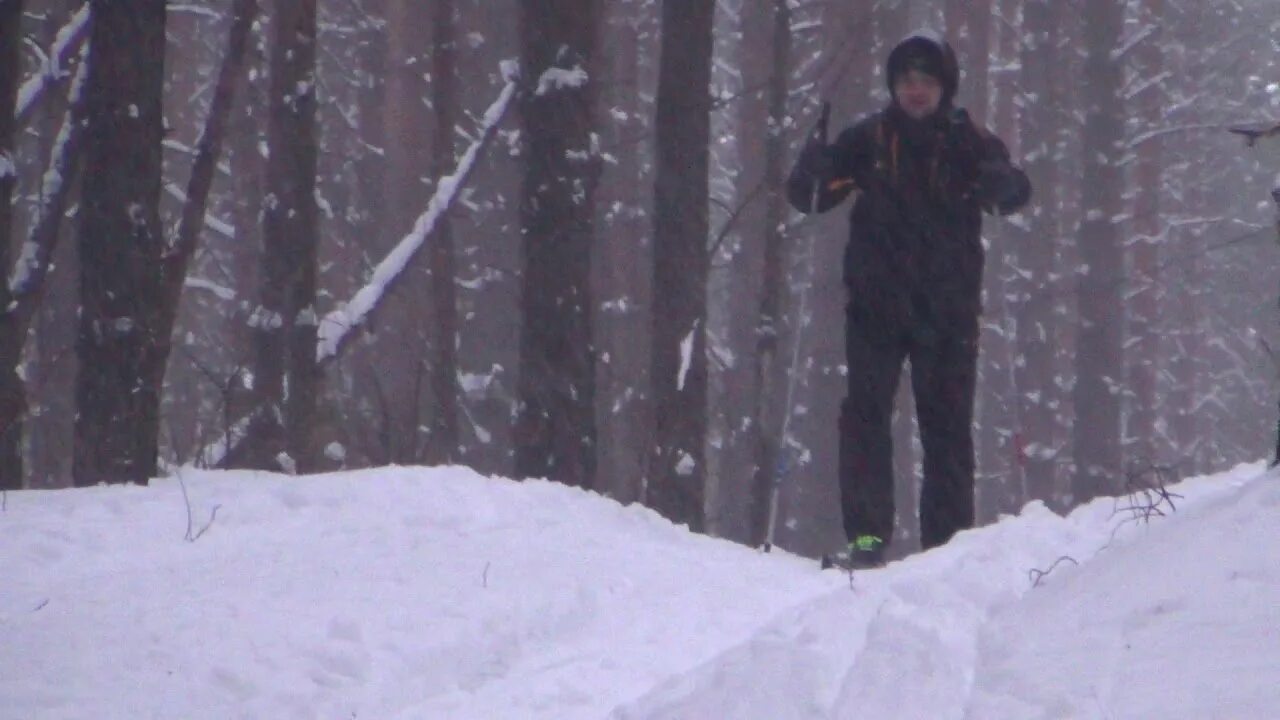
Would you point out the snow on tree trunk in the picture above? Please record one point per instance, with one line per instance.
(121, 248)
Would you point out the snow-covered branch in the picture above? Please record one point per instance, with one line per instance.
(65, 44)
(32, 265)
(336, 327)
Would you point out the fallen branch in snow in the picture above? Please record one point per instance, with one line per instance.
(336, 327)
(1036, 575)
(1148, 493)
(193, 535)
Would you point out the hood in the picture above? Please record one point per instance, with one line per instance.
(928, 47)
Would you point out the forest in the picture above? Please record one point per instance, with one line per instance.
(550, 238)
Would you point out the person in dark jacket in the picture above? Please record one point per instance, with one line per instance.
(923, 173)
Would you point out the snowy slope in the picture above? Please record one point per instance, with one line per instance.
(416, 593)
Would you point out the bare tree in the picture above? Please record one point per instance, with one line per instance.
(287, 377)
(121, 248)
(442, 444)
(555, 434)
(1099, 356)
(774, 450)
(621, 329)
(677, 473)
(1034, 245)
(1000, 480)
(1145, 247)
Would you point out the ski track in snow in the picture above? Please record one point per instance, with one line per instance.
(408, 593)
(906, 641)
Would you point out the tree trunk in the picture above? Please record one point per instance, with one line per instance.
(773, 364)
(442, 445)
(1146, 294)
(555, 435)
(398, 361)
(287, 377)
(1099, 356)
(1035, 242)
(121, 247)
(622, 330)
(12, 394)
(677, 473)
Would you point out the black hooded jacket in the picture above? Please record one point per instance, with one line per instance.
(915, 250)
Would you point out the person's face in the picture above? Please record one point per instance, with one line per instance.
(918, 93)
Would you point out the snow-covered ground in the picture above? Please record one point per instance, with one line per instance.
(436, 593)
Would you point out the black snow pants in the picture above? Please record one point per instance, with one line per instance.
(943, 375)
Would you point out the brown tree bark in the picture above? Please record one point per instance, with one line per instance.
(121, 247)
(677, 473)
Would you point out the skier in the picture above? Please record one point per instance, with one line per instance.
(923, 173)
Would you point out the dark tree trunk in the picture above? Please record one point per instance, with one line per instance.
(1099, 356)
(121, 248)
(12, 395)
(677, 473)
(555, 435)
(442, 445)
(287, 377)
(1035, 247)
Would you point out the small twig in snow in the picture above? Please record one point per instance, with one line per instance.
(194, 535)
(1037, 575)
(484, 576)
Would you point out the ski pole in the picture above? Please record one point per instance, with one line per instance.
(782, 466)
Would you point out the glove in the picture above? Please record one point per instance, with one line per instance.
(995, 183)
